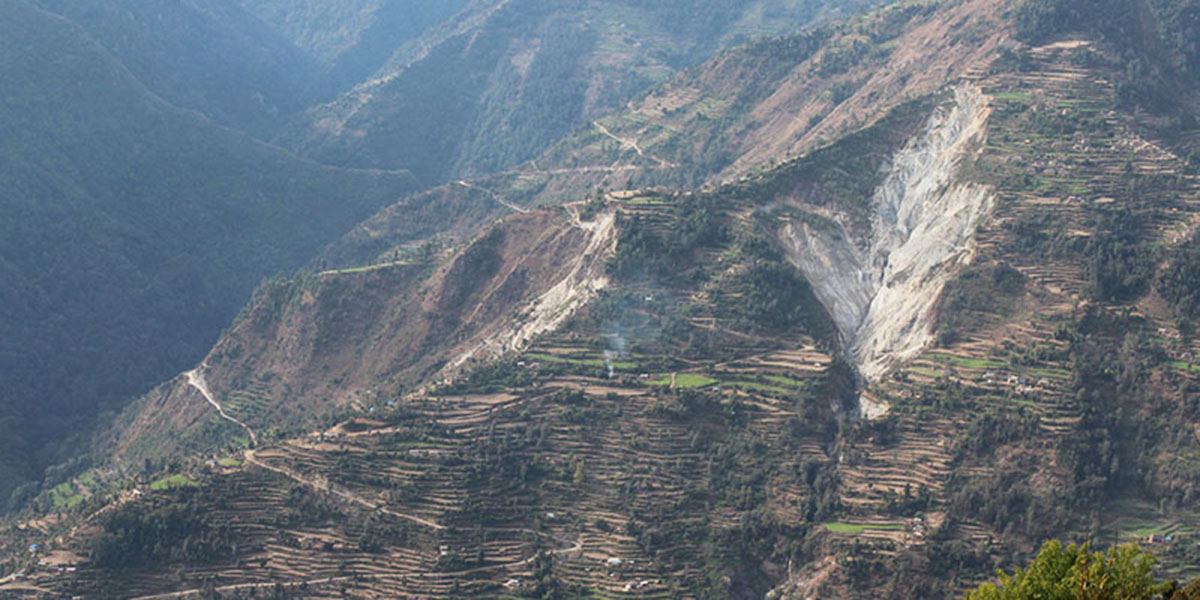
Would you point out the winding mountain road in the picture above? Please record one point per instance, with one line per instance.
(348, 496)
(494, 195)
(195, 378)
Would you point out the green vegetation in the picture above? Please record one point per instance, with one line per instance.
(970, 363)
(977, 291)
(586, 362)
(1076, 573)
(756, 386)
(64, 496)
(1179, 283)
(786, 380)
(859, 528)
(177, 531)
(1185, 367)
(684, 381)
(1156, 45)
(173, 481)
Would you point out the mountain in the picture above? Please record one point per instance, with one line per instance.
(865, 311)
(705, 127)
(132, 230)
(349, 41)
(211, 57)
(506, 79)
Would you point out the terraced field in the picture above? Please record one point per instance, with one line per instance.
(575, 463)
(661, 435)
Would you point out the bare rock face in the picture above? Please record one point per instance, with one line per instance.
(881, 286)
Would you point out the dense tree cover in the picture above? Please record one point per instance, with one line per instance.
(1120, 265)
(1168, 27)
(179, 532)
(993, 289)
(1179, 282)
(651, 251)
(1156, 39)
(1077, 573)
(130, 232)
(773, 294)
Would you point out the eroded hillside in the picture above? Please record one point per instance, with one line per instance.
(504, 80)
(883, 368)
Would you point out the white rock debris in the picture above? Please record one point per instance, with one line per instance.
(882, 290)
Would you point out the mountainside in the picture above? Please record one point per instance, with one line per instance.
(511, 77)
(868, 311)
(301, 347)
(211, 57)
(130, 232)
(705, 126)
(350, 41)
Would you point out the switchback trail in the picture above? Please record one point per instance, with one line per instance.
(494, 196)
(196, 379)
(633, 144)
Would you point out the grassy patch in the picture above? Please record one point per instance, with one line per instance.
(685, 380)
(648, 201)
(926, 372)
(1012, 96)
(229, 461)
(1054, 373)
(1186, 368)
(856, 528)
(173, 481)
(64, 496)
(969, 363)
(585, 362)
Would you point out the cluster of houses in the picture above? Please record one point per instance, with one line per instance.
(42, 566)
(1022, 385)
(1169, 333)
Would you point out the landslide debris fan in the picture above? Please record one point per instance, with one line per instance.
(882, 284)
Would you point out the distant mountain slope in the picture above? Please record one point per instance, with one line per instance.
(514, 76)
(130, 230)
(350, 40)
(211, 56)
(747, 109)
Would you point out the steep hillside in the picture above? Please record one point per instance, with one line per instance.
(705, 125)
(211, 57)
(885, 367)
(614, 402)
(810, 88)
(130, 231)
(507, 79)
(351, 40)
(303, 348)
